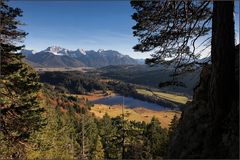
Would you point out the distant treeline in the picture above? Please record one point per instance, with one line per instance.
(83, 83)
(151, 76)
(73, 82)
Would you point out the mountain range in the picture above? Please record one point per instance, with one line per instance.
(60, 57)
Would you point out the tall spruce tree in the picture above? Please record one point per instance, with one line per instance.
(108, 133)
(98, 153)
(173, 126)
(157, 138)
(20, 114)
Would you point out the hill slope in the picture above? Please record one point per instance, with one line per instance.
(150, 76)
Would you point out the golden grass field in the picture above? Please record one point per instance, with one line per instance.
(167, 96)
(137, 114)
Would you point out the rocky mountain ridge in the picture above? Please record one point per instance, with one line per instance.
(60, 57)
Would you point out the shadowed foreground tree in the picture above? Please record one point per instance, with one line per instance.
(19, 108)
(209, 127)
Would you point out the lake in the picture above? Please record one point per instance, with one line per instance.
(130, 103)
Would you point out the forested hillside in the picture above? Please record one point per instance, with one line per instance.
(70, 131)
(73, 132)
(139, 74)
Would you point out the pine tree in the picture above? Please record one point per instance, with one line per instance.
(173, 126)
(107, 132)
(135, 145)
(98, 153)
(157, 138)
(87, 133)
(20, 112)
(169, 28)
(113, 136)
(83, 141)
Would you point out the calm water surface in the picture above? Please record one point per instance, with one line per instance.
(130, 103)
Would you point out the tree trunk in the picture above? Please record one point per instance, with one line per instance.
(221, 92)
(223, 58)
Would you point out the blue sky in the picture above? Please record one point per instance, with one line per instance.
(90, 25)
(79, 24)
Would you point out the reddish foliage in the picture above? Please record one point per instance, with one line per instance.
(63, 110)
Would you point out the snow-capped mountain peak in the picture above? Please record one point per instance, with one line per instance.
(82, 51)
(100, 50)
(91, 57)
(55, 56)
(56, 50)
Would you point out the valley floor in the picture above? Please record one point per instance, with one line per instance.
(135, 114)
(132, 114)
